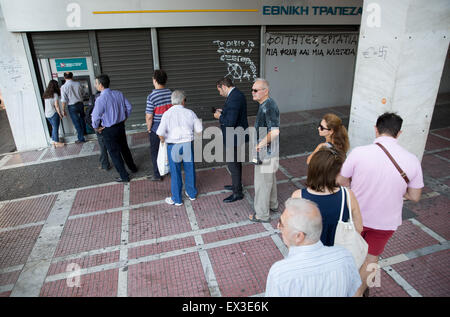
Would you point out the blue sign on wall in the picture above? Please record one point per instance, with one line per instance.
(70, 64)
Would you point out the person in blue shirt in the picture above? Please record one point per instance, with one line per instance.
(112, 109)
(104, 161)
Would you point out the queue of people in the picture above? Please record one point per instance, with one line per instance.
(379, 176)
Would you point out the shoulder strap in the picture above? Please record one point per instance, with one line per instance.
(342, 203)
(402, 173)
(349, 204)
(345, 193)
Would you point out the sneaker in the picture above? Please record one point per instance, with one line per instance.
(169, 201)
(189, 196)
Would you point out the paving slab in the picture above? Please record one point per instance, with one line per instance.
(82, 235)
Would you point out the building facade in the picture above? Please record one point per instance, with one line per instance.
(306, 49)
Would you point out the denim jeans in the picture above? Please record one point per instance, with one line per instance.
(181, 154)
(77, 115)
(54, 121)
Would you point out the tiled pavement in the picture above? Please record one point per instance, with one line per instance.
(123, 240)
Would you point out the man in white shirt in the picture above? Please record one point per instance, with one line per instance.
(177, 128)
(310, 269)
(72, 96)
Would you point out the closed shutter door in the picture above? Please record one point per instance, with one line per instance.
(126, 57)
(195, 58)
(61, 44)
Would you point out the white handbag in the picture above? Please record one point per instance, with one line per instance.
(162, 159)
(347, 236)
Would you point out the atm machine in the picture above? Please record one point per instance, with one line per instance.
(83, 71)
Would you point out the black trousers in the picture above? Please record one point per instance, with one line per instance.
(115, 140)
(235, 168)
(104, 161)
(154, 148)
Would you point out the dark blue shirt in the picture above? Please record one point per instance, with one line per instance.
(330, 209)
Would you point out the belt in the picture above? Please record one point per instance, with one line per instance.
(76, 103)
(116, 124)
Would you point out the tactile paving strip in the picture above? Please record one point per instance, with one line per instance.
(26, 211)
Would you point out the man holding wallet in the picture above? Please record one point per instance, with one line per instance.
(233, 115)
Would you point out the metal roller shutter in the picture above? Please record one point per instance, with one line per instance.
(61, 44)
(195, 58)
(126, 57)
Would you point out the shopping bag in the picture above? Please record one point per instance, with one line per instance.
(163, 159)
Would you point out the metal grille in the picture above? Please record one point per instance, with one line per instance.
(191, 59)
(61, 44)
(126, 57)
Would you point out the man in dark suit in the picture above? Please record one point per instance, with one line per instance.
(233, 115)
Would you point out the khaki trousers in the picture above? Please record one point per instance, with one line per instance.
(265, 192)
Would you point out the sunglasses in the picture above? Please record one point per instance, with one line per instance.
(321, 127)
(256, 90)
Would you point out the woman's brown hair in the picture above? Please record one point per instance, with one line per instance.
(339, 138)
(323, 169)
(52, 88)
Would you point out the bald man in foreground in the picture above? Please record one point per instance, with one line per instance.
(310, 269)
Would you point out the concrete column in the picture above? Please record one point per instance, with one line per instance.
(401, 55)
(22, 100)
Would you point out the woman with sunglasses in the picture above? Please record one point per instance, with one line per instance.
(326, 193)
(334, 132)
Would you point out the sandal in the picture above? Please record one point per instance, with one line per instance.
(59, 144)
(254, 219)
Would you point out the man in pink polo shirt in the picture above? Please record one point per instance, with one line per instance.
(379, 187)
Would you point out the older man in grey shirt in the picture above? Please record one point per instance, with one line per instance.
(71, 95)
(267, 126)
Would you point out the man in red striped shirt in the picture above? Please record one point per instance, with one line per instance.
(158, 102)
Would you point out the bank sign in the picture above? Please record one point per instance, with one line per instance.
(62, 15)
(70, 64)
(310, 10)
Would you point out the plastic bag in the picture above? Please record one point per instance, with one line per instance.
(163, 159)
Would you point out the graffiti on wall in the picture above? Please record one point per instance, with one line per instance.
(339, 44)
(236, 56)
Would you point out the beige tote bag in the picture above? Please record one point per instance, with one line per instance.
(347, 236)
